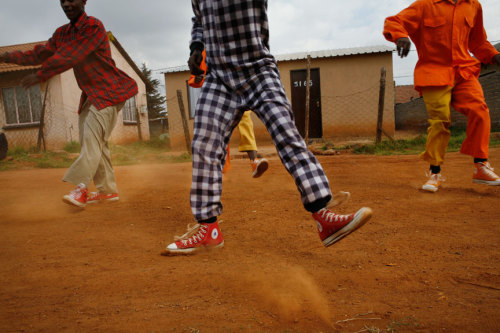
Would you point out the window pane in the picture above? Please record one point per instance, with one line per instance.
(23, 105)
(9, 105)
(36, 102)
(126, 111)
(132, 109)
(129, 113)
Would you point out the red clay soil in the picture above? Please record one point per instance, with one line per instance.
(424, 262)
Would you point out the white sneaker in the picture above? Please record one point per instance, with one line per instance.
(433, 183)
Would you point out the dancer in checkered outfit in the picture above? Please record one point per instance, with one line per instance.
(243, 75)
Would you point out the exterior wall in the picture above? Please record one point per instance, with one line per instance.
(350, 88)
(413, 114)
(125, 133)
(61, 111)
(173, 82)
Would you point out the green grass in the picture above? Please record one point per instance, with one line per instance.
(415, 145)
(154, 151)
(72, 147)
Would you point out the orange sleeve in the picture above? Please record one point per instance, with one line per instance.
(478, 42)
(403, 24)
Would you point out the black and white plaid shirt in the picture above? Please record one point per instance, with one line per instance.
(235, 34)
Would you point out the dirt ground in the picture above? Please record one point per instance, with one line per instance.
(424, 262)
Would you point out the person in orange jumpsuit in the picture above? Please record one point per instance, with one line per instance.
(444, 32)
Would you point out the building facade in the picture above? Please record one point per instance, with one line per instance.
(58, 99)
(344, 94)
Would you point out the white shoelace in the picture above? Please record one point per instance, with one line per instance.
(330, 216)
(488, 170)
(194, 234)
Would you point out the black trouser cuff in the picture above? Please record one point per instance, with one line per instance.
(313, 207)
(210, 220)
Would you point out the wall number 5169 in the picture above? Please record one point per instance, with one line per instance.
(298, 84)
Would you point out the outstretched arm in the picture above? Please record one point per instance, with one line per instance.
(397, 28)
(29, 58)
(478, 42)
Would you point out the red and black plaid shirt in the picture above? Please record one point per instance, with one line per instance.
(83, 46)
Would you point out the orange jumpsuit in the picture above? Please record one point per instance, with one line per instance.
(444, 33)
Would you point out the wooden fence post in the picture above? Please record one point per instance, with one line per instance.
(138, 119)
(41, 136)
(184, 122)
(381, 101)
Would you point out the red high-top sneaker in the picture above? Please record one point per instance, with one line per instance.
(95, 197)
(333, 227)
(198, 237)
(77, 197)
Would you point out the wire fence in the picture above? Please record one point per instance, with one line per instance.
(60, 127)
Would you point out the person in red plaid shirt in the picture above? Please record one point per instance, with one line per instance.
(83, 45)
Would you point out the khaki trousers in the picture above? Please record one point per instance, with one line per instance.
(94, 162)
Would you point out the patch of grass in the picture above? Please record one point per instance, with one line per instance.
(72, 147)
(154, 151)
(417, 144)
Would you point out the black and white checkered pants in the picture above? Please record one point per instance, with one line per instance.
(218, 112)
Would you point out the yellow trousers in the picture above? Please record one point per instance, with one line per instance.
(247, 136)
(467, 98)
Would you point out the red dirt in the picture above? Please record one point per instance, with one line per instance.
(424, 263)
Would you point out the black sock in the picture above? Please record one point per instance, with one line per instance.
(313, 207)
(480, 160)
(435, 169)
(210, 220)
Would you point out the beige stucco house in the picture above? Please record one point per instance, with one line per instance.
(344, 88)
(21, 109)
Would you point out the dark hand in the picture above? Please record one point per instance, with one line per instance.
(497, 59)
(403, 46)
(194, 62)
(198, 79)
(30, 80)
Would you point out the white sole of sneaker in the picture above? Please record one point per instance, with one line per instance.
(105, 200)
(429, 188)
(169, 252)
(360, 218)
(69, 200)
(261, 168)
(487, 182)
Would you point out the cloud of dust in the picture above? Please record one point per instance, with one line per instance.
(290, 292)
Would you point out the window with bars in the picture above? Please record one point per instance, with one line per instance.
(22, 106)
(129, 111)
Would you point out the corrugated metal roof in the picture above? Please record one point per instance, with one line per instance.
(335, 53)
(4, 67)
(314, 54)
